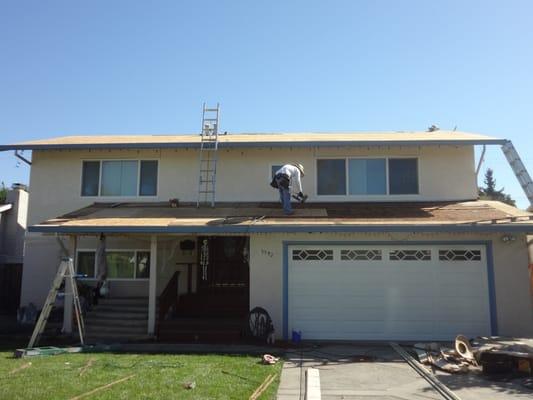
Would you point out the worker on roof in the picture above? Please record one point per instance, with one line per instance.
(289, 176)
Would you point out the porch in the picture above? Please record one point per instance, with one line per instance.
(170, 288)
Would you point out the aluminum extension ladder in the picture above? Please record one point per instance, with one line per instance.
(519, 169)
(208, 157)
(65, 272)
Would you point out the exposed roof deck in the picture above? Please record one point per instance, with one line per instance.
(486, 216)
(238, 140)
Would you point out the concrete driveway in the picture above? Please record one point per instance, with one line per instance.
(377, 372)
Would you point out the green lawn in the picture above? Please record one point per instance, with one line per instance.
(155, 376)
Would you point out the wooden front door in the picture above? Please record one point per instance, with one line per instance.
(223, 272)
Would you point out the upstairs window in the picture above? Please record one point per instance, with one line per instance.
(367, 176)
(331, 177)
(119, 178)
(403, 176)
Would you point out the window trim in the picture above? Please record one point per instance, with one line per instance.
(367, 196)
(135, 251)
(138, 188)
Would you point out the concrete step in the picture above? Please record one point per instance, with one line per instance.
(137, 301)
(115, 330)
(94, 321)
(116, 315)
(119, 308)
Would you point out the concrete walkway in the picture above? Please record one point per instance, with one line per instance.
(377, 372)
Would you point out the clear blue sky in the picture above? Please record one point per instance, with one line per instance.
(122, 67)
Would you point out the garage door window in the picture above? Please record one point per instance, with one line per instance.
(410, 255)
(312, 255)
(360, 255)
(459, 255)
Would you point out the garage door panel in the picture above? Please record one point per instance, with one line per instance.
(428, 298)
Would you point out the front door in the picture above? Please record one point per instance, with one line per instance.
(223, 273)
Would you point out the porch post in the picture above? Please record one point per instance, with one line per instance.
(68, 299)
(152, 285)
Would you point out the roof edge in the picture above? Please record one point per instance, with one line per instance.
(502, 228)
(308, 143)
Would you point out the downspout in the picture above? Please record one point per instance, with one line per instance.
(21, 157)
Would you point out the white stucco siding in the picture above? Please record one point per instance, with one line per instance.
(445, 173)
(514, 314)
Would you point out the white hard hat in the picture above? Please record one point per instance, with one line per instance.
(300, 167)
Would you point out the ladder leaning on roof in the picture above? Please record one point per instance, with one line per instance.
(519, 169)
(208, 157)
(64, 272)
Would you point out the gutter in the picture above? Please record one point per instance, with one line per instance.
(499, 228)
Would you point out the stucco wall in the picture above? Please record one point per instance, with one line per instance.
(513, 302)
(445, 173)
(13, 227)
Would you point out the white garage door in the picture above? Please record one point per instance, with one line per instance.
(392, 292)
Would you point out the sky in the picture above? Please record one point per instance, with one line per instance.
(146, 67)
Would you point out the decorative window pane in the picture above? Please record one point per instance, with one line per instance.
(86, 261)
(331, 177)
(312, 255)
(120, 264)
(143, 264)
(148, 185)
(403, 176)
(274, 169)
(360, 255)
(410, 255)
(90, 178)
(459, 255)
(119, 178)
(367, 176)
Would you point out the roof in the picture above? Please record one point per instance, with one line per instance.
(486, 216)
(259, 140)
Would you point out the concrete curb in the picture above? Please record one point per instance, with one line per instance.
(312, 384)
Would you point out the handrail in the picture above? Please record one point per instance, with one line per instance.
(169, 296)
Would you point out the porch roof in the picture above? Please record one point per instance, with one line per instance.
(268, 139)
(151, 218)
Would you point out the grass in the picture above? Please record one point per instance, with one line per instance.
(159, 376)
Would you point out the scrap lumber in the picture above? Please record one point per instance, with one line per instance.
(22, 367)
(261, 388)
(87, 366)
(100, 388)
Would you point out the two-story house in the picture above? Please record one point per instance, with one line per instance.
(391, 244)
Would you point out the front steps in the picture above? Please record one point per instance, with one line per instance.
(119, 319)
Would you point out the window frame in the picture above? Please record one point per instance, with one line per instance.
(135, 252)
(271, 165)
(138, 186)
(367, 196)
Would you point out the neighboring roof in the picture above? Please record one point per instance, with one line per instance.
(259, 140)
(5, 207)
(486, 216)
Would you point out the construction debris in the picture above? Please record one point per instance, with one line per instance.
(87, 366)
(264, 386)
(23, 366)
(493, 355)
(189, 385)
(81, 396)
(269, 359)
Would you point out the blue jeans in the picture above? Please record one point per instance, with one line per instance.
(285, 198)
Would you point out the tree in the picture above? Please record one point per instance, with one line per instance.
(489, 192)
(3, 193)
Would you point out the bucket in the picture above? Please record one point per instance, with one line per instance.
(296, 337)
